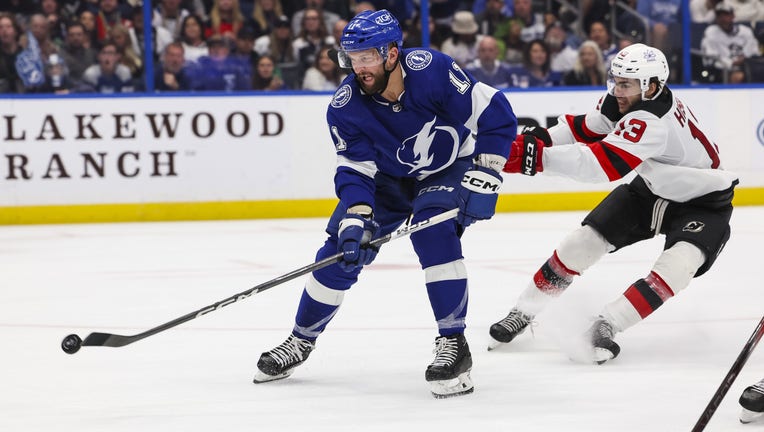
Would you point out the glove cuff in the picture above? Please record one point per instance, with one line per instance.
(363, 210)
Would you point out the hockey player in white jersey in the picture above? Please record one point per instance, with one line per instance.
(680, 190)
(415, 136)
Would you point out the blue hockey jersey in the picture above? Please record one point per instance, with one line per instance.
(443, 114)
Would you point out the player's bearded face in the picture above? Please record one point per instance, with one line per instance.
(369, 70)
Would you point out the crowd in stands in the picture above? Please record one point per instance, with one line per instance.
(80, 46)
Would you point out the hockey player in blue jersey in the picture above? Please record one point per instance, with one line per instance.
(415, 136)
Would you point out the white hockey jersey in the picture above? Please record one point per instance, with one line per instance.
(661, 140)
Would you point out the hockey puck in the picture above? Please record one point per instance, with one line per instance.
(71, 344)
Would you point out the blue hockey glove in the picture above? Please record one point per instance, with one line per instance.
(478, 195)
(356, 231)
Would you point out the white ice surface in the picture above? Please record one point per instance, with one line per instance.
(367, 373)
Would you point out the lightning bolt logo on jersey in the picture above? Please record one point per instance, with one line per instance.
(424, 132)
(416, 150)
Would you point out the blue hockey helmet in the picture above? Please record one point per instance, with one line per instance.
(368, 30)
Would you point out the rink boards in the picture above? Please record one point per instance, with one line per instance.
(192, 157)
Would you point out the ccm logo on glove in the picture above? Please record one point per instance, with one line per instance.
(481, 182)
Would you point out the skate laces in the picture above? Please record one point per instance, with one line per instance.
(603, 329)
(445, 351)
(759, 386)
(291, 350)
(516, 321)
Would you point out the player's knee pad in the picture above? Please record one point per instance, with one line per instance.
(677, 265)
(582, 248)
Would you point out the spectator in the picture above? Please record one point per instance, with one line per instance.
(56, 24)
(57, 78)
(225, 20)
(702, 11)
(661, 14)
(563, 56)
(505, 7)
(339, 27)
(244, 52)
(533, 23)
(265, 15)
(462, 46)
(324, 75)
(412, 38)
(328, 17)
(108, 16)
(492, 16)
(511, 45)
(169, 15)
(535, 71)
(487, 68)
(38, 27)
(600, 34)
(120, 36)
(171, 74)
(265, 76)
(108, 75)
(160, 39)
(88, 21)
(219, 71)
(312, 37)
(589, 69)
(726, 45)
(192, 38)
(76, 55)
(10, 82)
(278, 44)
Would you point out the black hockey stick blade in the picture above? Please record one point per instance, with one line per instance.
(730, 378)
(72, 343)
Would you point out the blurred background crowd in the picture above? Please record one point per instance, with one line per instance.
(99, 46)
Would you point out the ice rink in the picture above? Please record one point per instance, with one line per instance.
(367, 373)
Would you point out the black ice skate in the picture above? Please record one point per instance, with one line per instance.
(601, 335)
(449, 373)
(507, 329)
(280, 362)
(752, 401)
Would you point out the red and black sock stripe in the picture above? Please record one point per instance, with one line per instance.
(553, 277)
(648, 294)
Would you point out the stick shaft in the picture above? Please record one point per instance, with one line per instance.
(113, 340)
(724, 387)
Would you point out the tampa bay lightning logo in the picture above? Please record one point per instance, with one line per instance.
(342, 96)
(760, 132)
(417, 150)
(418, 59)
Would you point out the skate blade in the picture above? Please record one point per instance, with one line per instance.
(601, 355)
(748, 416)
(458, 386)
(262, 377)
(494, 344)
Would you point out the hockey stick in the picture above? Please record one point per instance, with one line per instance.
(730, 378)
(72, 343)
